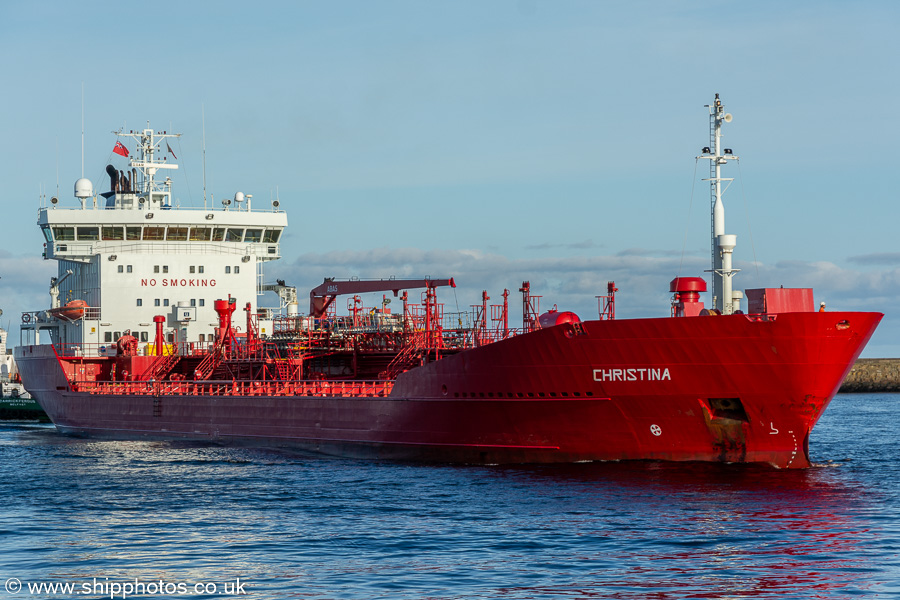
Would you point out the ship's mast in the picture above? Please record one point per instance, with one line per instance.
(722, 244)
(148, 144)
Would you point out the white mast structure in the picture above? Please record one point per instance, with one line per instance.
(724, 298)
(148, 143)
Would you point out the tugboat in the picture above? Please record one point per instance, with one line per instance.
(15, 403)
(153, 351)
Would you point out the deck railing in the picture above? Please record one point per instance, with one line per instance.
(322, 388)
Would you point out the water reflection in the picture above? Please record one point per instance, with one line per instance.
(706, 530)
(339, 528)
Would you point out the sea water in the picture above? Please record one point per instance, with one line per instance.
(167, 520)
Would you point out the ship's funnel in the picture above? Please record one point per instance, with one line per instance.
(113, 178)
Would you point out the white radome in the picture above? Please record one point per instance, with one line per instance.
(84, 188)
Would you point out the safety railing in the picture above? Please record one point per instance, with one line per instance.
(320, 388)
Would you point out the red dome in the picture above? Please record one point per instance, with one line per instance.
(687, 284)
(554, 317)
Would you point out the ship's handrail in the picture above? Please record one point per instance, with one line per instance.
(156, 247)
(161, 366)
(343, 326)
(79, 350)
(407, 358)
(170, 207)
(35, 318)
(313, 387)
(85, 350)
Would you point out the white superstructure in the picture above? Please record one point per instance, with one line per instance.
(130, 254)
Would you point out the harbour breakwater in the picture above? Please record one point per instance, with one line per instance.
(873, 375)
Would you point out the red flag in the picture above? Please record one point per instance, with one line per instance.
(170, 149)
(120, 149)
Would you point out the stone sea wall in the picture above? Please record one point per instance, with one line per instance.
(873, 375)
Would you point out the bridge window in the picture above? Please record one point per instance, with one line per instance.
(46, 231)
(253, 235)
(234, 235)
(272, 236)
(64, 234)
(88, 233)
(154, 234)
(112, 233)
(132, 233)
(218, 234)
(200, 234)
(177, 234)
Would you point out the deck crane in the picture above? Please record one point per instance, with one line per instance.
(321, 297)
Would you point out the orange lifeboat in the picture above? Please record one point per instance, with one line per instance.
(72, 311)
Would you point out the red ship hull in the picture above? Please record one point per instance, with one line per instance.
(718, 388)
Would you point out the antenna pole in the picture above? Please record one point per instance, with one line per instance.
(203, 126)
(82, 130)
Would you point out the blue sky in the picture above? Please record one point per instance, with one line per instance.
(489, 141)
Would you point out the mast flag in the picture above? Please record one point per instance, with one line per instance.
(120, 149)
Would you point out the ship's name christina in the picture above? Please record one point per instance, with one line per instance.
(636, 374)
(179, 282)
